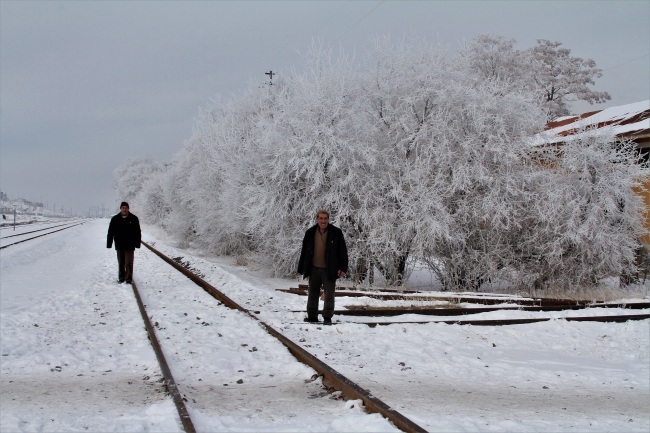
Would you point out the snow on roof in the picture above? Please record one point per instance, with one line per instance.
(626, 121)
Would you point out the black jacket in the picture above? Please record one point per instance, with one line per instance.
(125, 231)
(336, 253)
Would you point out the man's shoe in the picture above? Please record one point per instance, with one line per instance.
(120, 281)
(128, 282)
(327, 321)
(310, 320)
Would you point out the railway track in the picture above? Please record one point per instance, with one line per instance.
(10, 225)
(38, 236)
(386, 312)
(502, 322)
(186, 421)
(488, 322)
(482, 300)
(510, 303)
(330, 377)
(445, 312)
(34, 231)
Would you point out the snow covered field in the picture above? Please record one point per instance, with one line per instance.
(75, 355)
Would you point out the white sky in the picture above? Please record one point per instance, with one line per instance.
(84, 85)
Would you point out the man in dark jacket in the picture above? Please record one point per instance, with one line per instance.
(125, 230)
(324, 258)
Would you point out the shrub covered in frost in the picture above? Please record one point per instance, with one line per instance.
(417, 156)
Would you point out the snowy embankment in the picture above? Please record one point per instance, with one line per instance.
(88, 364)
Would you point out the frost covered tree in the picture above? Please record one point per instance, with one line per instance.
(152, 203)
(305, 154)
(559, 77)
(563, 77)
(493, 57)
(419, 158)
(130, 178)
(213, 170)
(453, 168)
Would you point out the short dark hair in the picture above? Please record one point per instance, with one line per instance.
(322, 211)
(124, 204)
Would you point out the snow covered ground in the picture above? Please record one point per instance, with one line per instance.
(75, 355)
(74, 352)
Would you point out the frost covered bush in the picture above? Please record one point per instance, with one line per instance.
(131, 177)
(305, 155)
(153, 204)
(418, 157)
(594, 217)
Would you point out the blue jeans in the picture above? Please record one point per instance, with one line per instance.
(318, 278)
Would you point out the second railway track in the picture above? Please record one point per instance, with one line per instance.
(38, 230)
(15, 242)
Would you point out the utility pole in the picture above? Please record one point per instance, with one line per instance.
(15, 216)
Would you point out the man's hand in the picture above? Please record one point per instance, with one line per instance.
(341, 274)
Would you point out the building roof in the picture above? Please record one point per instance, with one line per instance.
(631, 121)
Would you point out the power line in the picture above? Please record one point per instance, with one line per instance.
(362, 18)
(645, 55)
(350, 28)
(328, 20)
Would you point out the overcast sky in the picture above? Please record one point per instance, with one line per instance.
(84, 85)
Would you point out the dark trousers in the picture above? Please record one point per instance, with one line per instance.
(125, 263)
(318, 278)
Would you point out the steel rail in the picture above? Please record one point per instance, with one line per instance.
(44, 234)
(406, 296)
(621, 318)
(502, 322)
(376, 289)
(381, 312)
(186, 421)
(34, 231)
(488, 322)
(330, 376)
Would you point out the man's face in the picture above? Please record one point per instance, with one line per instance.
(323, 220)
(124, 210)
